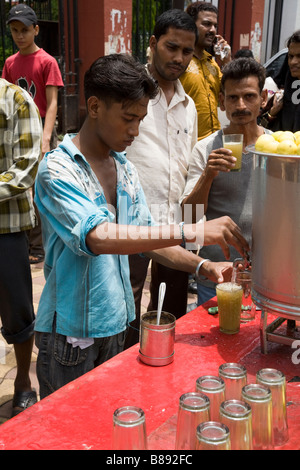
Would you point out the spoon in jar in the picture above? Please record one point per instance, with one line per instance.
(161, 296)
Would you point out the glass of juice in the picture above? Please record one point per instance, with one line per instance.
(229, 296)
(234, 142)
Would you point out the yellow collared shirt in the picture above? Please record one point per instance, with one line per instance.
(202, 82)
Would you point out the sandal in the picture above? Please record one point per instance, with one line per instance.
(34, 259)
(23, 400)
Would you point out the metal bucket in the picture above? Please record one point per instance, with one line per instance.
(276, 234)
(157, 341)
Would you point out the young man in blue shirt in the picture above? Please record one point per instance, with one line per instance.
(94, 214)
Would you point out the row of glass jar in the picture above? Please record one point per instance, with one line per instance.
(224, 412)
(233, 414)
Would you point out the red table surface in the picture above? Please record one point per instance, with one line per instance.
(79, 415)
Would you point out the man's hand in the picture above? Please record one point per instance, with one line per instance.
(277, 104)
(217, 272)
(224, 232)
(223, 50)
(219, 160)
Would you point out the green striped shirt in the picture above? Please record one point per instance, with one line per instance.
(20, 150)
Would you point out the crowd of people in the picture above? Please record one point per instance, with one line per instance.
(145, 178)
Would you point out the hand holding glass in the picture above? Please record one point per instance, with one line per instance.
(234, 142)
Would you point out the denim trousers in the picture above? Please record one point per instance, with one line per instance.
(58, 362)
(204, 293)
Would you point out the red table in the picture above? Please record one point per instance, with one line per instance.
(79, 415)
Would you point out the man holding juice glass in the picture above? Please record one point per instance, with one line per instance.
(211, 180)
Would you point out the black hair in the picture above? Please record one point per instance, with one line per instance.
(242, 68)
(119, 78)
(295, 37)
(244, 53)
(193, 9)
(177, 19)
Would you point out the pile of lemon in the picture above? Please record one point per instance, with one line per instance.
(280, 142)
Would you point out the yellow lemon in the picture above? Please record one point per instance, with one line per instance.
(297, 134)
(270, 147)
(287, 147)
(297, 139)
(298, 150)
(277, 134)
(262, 142)
(286, 135)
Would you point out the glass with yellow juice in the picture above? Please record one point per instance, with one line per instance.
(234, 142)
(229, 295)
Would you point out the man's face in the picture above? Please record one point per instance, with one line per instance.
(206, 23)
(294, 59)
(23, 35)
(117, 124)
(242, 100)
(172, 53)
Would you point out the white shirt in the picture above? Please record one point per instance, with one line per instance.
(161, 153)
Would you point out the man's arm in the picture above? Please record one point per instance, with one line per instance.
(218, 160)
(184, 260)
(110, 238)
(51, 112)
(25, 147)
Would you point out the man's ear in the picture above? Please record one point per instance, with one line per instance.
(221, 101)
(264, 97)
(36, 30)
(93, 105)
(152, 42)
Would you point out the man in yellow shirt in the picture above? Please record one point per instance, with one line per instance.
(202, 78)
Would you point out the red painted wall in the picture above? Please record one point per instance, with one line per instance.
(104, 27)
(243, 27)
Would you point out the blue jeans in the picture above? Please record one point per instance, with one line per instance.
(58, 362)
(204, 293)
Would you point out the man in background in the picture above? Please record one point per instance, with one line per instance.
(202, 79)
(161, 153)
(210, 181)
(20, 150)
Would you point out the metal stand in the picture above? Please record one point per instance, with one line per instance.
(267, 332)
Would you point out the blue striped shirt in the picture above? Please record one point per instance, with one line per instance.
(91, 294)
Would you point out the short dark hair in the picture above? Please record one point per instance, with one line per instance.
(119, 78)
(193, 9)
(243, 53)
(295, 37)
(177, 19)
(242, 68)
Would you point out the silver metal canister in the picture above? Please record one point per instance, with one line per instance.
(157, 341)
(276, 234)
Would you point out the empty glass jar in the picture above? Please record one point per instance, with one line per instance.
(237, 416)
(259, 397)
(213, 387)
(129, 429)
(213, 436)
(235, 378)
(248, 309)
(193, 410)
(275, 381)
